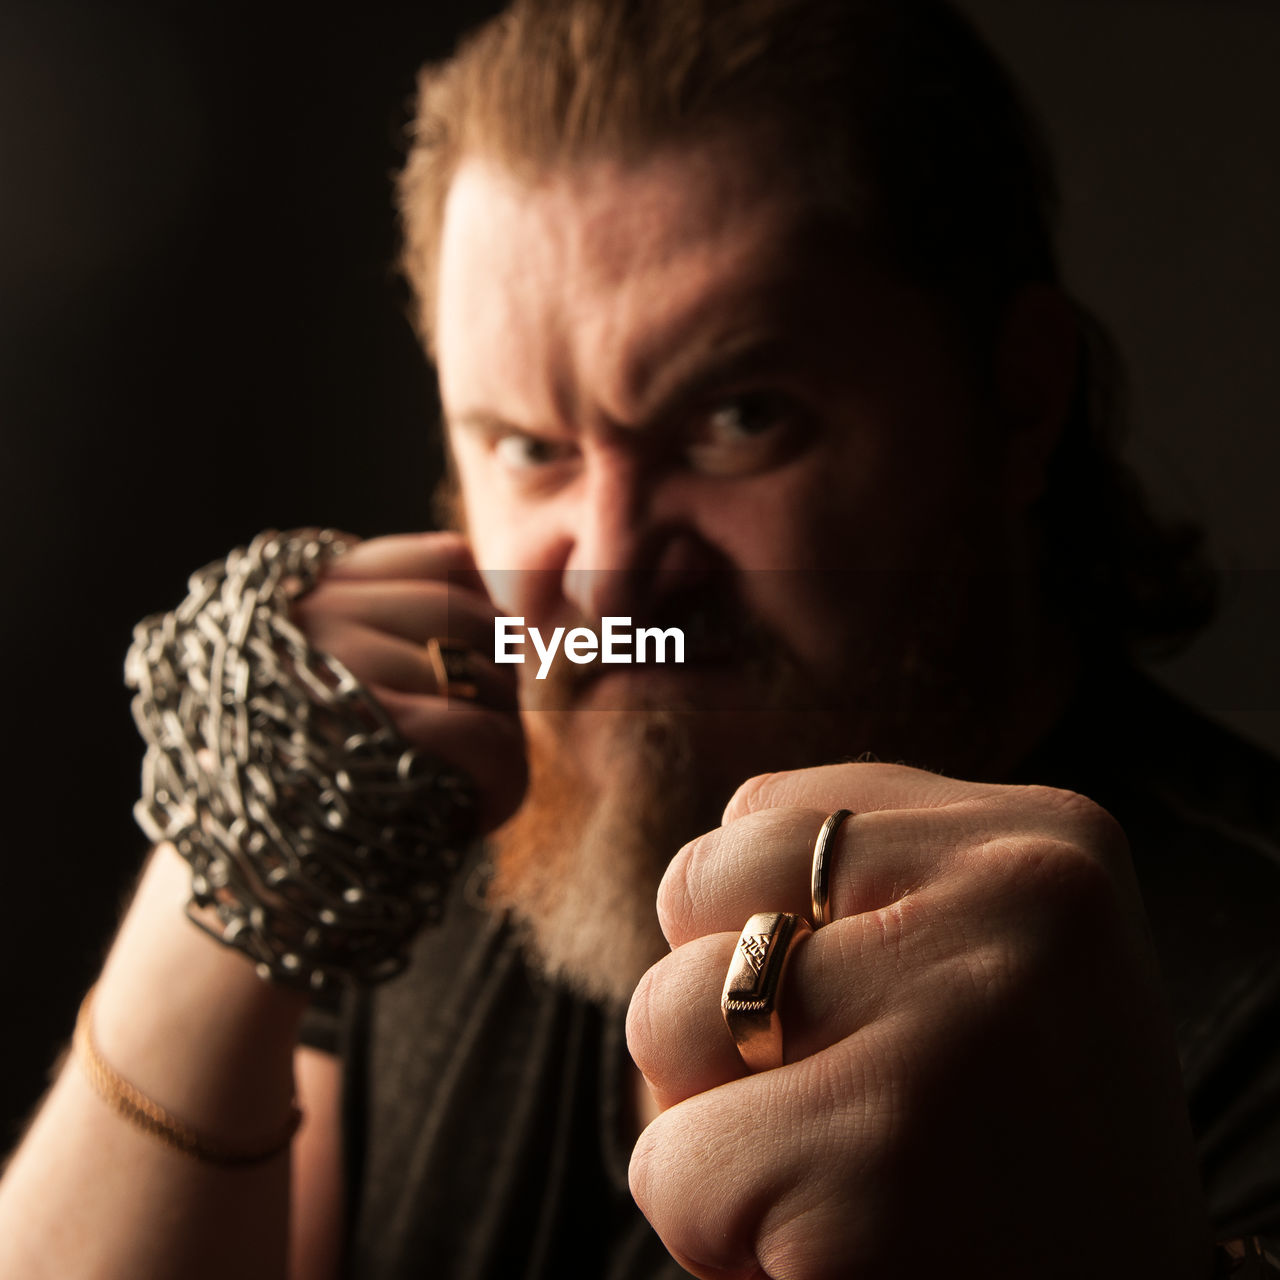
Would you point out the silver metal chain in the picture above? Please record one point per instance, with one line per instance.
(319, 841)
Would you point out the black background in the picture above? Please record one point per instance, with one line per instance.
(201, 335)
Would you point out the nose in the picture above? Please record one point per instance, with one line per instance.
(631, 543)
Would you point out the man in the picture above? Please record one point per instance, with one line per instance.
(747, 323)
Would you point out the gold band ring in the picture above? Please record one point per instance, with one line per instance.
(451, 666)
(750, 999)
(820, 877)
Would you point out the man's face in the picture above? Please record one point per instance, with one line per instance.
(673, 375)
(672, 391)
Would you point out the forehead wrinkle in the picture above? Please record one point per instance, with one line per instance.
(662, 281)
(629, 260)
(750, 308)
(594, 287)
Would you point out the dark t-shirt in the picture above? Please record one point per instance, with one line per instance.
(484, 1108)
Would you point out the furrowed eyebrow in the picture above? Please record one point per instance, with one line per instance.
(696, 378)
(699, 378)
(754, 327)
(481, 423)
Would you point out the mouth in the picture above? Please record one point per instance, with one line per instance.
(723, 660)
(702, 684)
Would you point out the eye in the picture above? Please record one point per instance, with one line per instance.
(745, 417)
(745, 433)
(519, 452)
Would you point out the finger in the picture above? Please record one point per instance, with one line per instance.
(486, 746)
(671, 1036)
(839, 981)
(412, 610)
(439, 556)
(376, 658)
(738, 1181)
(867, 787)
(862, 787)
(764, 862)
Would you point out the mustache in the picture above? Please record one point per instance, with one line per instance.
(720, 633)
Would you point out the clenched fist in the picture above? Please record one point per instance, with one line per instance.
(980, 1076)
(376, 607)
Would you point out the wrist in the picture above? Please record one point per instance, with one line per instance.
(189, 1022)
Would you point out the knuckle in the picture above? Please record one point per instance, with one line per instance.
(698, 1208)
(640, 1021)
(1085, 819)
(991, 971)
(646, 1157)
(752, 796)
(1050, 801)
(1078, 882)
(675, 902)
(1099, 829)
(1053, 881)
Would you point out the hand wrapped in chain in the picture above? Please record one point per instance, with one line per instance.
(305, 755)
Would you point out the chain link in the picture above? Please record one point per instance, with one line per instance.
(319, 841)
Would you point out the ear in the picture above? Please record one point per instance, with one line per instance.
(1037, 360)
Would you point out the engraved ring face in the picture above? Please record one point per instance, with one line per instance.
(750, 999)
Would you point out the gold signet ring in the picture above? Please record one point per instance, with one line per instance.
(750, 999)
(820, 877)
